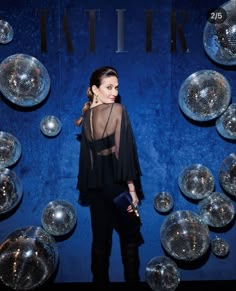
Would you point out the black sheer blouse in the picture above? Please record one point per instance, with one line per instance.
(108, 154)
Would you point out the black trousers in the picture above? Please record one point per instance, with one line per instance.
(104, 220)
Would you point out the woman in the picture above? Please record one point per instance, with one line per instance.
(108, 166)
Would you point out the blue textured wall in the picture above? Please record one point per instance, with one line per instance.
(149, 85)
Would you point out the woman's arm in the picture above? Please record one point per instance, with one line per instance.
(135, 200)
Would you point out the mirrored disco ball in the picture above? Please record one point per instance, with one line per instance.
(162, 274)
(220, 247)
(226, 123)
(28, 258)
(204, 95)
(216, 210)
(10, 149)
(163, 202)
(6, 32)
(184, 235)
(10, 190)
(59, 217)
(196, 181)
(219, 39)
(50, 125)
(24, 80)
(227, 174)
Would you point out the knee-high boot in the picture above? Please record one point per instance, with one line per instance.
(131, 263)
(100, 267)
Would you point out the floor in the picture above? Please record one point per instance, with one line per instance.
(183, 286)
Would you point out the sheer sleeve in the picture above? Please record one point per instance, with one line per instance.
(127, 162)
(110, 158)
(84, 163)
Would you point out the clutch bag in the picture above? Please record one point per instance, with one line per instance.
(129, 220)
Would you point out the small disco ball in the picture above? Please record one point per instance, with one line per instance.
(216, 210)
(196, 181)
(59, 217)
(226, 123)
(227, 174)
(162, 274)
(163, 202)
(10, 190)
(220, 247)
(24, 80)
(184, 235)
(50, 125)
(6, 32)
(204, 95)
(28, 258)
(219, 39)
(10, 149)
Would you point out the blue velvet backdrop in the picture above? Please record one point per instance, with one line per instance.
(149, 85)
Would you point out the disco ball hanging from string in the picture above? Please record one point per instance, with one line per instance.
(204, 95)
(226, 123)
(219, 37)
(24, 80)
(6, 32)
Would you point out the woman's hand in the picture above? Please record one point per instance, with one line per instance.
(135, 199)
(133, 207)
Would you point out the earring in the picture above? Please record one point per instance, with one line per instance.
(96, 99)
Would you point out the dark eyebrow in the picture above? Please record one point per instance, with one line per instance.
(113, 85)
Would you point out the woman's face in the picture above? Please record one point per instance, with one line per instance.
(108, 90)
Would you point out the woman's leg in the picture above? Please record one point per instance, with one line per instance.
(130, 240)
(101, 221)
(131, 263)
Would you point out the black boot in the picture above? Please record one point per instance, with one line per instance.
(100, 268)
(131, 263)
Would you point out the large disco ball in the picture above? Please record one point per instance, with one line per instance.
(163, 202)
(10, 190)
(216, 210)
(196, 181)
(219, 39)
(10, 149)
(6, 32)
(50, 125)
(204, 95)
(184, 235)
(24, 80)
(227, 174)
(28, 258)
(226, 123)
(59, 217)
(162, 274)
